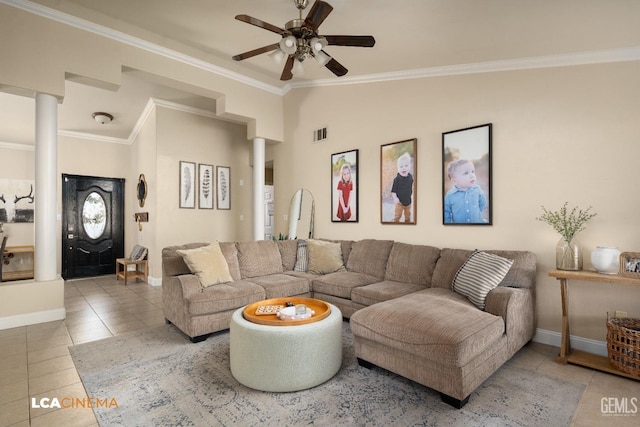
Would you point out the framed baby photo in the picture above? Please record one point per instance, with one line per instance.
(466, 176)
(399, 182)
(344, 186)
(630, 264)
(187, 185)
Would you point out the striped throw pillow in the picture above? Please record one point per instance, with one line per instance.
(302, 257)
(481, 273)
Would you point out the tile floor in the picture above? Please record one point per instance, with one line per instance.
(35, 360)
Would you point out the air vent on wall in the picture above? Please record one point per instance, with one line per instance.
(320, 134)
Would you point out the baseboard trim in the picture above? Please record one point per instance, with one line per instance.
(9, 322)
(544, 336)
(154, 281)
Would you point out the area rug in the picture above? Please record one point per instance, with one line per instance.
(158, 377)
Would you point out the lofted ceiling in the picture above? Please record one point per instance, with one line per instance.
(413, 38)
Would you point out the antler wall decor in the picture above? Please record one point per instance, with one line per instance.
(28, 196)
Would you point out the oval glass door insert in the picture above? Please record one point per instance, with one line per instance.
(94, 215)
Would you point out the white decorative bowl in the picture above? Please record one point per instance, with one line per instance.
(289, 313)
(606, 259)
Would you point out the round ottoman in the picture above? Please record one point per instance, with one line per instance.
(285, 358)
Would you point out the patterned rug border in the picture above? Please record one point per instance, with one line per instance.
(159, 377)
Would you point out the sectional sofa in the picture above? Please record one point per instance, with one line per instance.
(445, 318)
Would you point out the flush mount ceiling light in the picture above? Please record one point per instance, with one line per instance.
(102, 118)
(300, 40)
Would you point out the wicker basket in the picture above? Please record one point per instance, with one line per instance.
(623, 344)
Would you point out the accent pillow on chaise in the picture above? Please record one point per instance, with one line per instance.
(480, 274)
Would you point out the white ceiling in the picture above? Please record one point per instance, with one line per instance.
(413, 37)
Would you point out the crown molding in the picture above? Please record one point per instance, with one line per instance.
(92, 137)
(564, 60)
(17, 146)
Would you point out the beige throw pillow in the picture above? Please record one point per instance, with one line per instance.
(208, 263)
(324, 257)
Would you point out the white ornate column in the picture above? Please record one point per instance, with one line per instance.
(258, 188)
(46, 187)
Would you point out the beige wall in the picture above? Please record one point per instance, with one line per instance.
(559, 134)
(199, 139)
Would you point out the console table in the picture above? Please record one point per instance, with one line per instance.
(11, 255)
(578, 357)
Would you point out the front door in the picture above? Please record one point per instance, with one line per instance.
(92, 225)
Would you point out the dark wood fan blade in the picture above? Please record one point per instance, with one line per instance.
(259, 23)
(286, 72)
(255, 52)
(359, 41)
(336, 68)
(318, 13)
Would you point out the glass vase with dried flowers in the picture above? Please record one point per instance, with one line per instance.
(568, 223)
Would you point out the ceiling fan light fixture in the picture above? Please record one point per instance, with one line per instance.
(322, 58)
(288, 45)
(102, 118)
(278, 56)
(318, 43)
(297, 69)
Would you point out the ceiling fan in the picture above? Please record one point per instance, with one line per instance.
(300, 40)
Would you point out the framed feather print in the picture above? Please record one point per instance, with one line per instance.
(205, 186)
(187, 185)
(223, 175)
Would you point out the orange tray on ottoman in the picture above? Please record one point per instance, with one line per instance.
(321, 309)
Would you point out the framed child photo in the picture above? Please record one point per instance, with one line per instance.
(205, 186)
(399, 182)
(466, 176)
(187, 185)
(630, 264)
(344, 186)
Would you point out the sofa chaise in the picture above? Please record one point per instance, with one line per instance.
(409, 306)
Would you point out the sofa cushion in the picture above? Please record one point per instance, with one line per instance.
(259, 258)
(224, 297)
(302, 257)
(288, 249)
(341, 283)
(522, 273)
(324, 257)
(382, 291)
(282, 285)
(412, 263)
(208, 263)
(481, 273)
(173, 263)
(436, 324)
(369, 257)
(230, 253)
